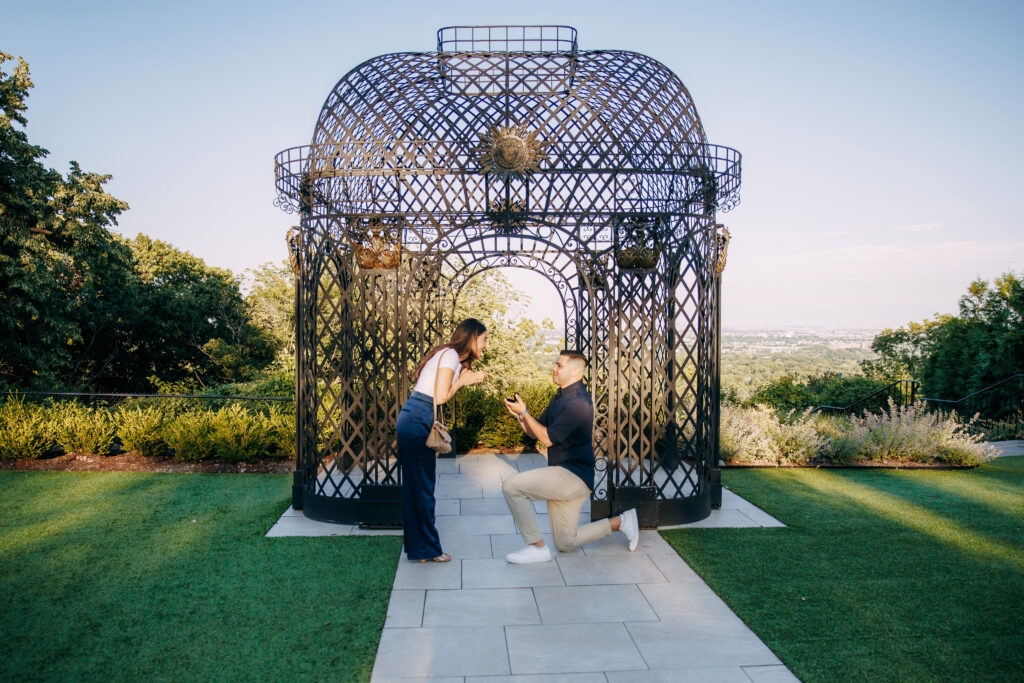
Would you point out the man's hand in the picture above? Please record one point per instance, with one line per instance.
(515, 406)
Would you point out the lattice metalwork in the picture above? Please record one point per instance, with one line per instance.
(509, 147)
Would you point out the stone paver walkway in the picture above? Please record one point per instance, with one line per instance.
(599, 613)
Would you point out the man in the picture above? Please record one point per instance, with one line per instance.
(566, 427)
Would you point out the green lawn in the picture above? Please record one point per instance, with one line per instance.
(133, 576)
(880, 574)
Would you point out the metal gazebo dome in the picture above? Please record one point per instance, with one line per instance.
(509, 146)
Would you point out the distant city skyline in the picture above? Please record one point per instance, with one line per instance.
(881, 140)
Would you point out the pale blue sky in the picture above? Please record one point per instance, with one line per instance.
(882, 141)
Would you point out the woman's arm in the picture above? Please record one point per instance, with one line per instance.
(444, 388)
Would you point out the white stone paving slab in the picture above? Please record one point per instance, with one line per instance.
(405, 610)
(540, 678)
(500, 574)
(692, 643)
(464, 650)
(617, 544)
(485, 506)
(428, 574)
(568, 648)
(714, 674)
(481, 524)
(770, 674)
(590, 570)
(481, 607)
(593, 604)
(467, 546)
(447, 506)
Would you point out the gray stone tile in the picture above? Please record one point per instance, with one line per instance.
(447, 466)
(458, 489)
(714, 674)
(405, 609)
(466, 546)
(540, 678)
(607, 569)
(480, 607)
(300, 525)
(484, 506)
(680, 601)
(502, 469)
(292, 512)
(497, 573)
(761, 517)
(591, 604)
(427, 574)
(356, 531)
(457, 651)
(616, 544)
(692, 643)
(719, 519)
(481, 524)
(674, 568)
(447, 506)
(557, 649)
(432, 679)
(731, 501)
(770, 674)
(502, 545)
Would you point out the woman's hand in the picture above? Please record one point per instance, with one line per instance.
(473, 377)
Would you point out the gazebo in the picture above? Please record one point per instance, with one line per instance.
(509, 146)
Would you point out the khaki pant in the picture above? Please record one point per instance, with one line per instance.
(565, 494)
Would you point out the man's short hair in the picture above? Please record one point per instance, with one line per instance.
(574, 355)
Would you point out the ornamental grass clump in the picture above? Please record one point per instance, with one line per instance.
(26, 431)
(912, 434)
(83, 430)
(141, 429)
(758, 435)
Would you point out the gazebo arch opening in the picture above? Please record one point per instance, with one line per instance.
(509, 146)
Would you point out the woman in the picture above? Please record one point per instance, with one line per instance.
(441, 373)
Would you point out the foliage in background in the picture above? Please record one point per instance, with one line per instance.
(953, 356)
(788, 393)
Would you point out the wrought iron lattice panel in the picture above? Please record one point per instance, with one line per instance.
(509, 147)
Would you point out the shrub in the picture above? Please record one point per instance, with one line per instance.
(141, 429)
(900, 434)
(188, 435)
(482, 419)
(913, 434)
(787, 392)
(756, 434)
(83, 430)
(26, 430)
(282, 426)
(238, 434)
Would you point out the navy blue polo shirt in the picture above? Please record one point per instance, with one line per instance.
(569, 419)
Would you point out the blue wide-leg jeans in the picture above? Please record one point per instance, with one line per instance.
(419, 467)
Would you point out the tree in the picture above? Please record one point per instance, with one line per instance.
(196, 323)
(271, 306)
(61, 270)
(955, 355)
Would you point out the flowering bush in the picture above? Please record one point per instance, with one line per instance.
(898, 434)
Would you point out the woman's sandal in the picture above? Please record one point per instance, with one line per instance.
(443, 557)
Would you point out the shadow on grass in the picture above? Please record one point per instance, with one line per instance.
(127, 575)
(863, 583)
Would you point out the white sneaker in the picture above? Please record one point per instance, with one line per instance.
(629, 526)
(530, 554)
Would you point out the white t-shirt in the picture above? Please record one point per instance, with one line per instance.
(446, 358)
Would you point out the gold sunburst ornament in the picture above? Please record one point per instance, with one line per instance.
(511, 150)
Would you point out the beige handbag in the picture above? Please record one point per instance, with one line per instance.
(439, 439)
